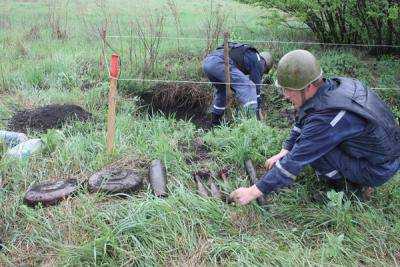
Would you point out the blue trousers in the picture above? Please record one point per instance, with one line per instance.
(243, 88)
(337, 165)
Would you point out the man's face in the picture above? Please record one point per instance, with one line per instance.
(296, 97)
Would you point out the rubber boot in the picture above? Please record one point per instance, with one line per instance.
(352, 190)
(259, 115)
(216, 119)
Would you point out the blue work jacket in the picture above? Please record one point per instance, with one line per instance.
(319, 134)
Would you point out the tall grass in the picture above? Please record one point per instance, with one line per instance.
(183, 229)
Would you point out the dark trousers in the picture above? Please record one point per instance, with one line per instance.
(337, 166)
(243, 88)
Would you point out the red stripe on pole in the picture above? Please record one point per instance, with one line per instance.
(114, 66)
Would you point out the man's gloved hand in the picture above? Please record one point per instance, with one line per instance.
(245, 195)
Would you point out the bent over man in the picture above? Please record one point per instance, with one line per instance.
(247, 66)
(343, 130)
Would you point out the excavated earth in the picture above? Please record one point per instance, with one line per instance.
(47, 117)
(186, 102)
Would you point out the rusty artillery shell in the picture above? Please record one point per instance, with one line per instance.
(215, 192)
(251, 171)
(157, 178)
(201, 189)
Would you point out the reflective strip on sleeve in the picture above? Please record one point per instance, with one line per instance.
(220, 108)
(332, 173)
(249, 103)
(296, 129)
(284, 171)
(337, 118)
(258, 56)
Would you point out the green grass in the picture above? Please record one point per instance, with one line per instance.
(183, 229)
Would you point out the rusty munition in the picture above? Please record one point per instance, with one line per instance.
(157, 178)
(215, 192)
(201, 189)
(251, 172)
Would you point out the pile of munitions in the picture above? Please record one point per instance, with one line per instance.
(124, 181)
(203, 178)
(111, 180)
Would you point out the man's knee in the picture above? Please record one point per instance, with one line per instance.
(250, 106)
(336, 166)
(246, 94)
(325, 169)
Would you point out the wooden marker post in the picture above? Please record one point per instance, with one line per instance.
(114, 74)
(227, 69)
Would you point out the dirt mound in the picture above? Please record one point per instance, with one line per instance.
(187, 102)
(47, 117)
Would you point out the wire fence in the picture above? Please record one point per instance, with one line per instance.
(142, 80)
(254, 41)
(223, 83)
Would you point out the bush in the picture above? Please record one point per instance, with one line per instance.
(344, 21)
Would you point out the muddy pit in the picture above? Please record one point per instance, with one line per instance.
(191, 102)
(47, 117)
(186, 102)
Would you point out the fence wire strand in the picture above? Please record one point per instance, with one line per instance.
(208, 82)
(258, 41)
(205, 82)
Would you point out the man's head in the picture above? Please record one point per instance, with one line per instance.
(299, 75)
(268, 61)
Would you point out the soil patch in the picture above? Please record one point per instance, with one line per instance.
(187, 102)
(202, 153)
(47, 117)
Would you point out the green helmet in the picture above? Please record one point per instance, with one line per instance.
(297, 69)
(268, 59)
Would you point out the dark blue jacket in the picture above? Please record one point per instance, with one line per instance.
(247, 61)
(256, 66)
(319, 133)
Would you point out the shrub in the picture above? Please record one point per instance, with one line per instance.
(344, 21)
